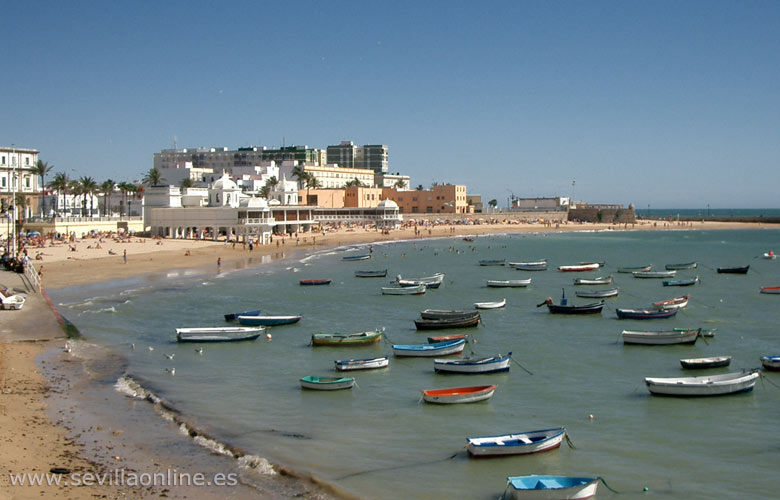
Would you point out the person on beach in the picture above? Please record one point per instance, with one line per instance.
(219, 262)
(124, 256)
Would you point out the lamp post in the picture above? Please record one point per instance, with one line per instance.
(13, 200)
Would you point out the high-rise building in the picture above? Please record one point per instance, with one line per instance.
(347, 155)
(223, 160)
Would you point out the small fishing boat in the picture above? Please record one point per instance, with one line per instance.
(520, 443)
(456, 395)
(356, 257)
(634, 269)
(597, 294)
(565, 308)
(490, 305)
(234, 316)
(429, 350)
(770, 255)
(447, 314)
(268, 320)
(645, 313)
(771, 363)
(600, 264)
(371, 274)
(654, 274)
(709, 385)
(700, 363)
(685, 265)
(492, 262)
(705, 332)
(327, 383)
(550, 487)
(538, 265)
(455, 322)
(660, 337)
(444, 338)
(430, 281)
(346, 339)
(770, 289)
(579, 267)
(315, 282)
(508, 283)
(362, 364)
(414, 283)
(687, 282)
(218, 334)
(733, 270)
(675, 303)
(404, 290)
(490, 364)
(601, 280)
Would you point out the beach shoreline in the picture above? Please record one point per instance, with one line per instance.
(149, 258)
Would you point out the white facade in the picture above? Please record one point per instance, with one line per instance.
(390, 181)
(175, 173)
(16, 176)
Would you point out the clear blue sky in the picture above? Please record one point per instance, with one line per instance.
(672, 104)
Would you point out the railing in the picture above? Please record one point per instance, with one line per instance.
(269, 220)
(32, 275)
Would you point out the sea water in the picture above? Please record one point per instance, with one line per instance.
(379, 441)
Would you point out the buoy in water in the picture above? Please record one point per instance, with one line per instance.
(268, 336)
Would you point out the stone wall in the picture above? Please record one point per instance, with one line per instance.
(606, 215)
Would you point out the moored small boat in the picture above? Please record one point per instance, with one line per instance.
(234, 316)
(218, 334)
(381, 273)
(327, 383)
(770, 289)
(538, 265)
(634, 269)
(710, 385)
(356, 257)
(686, 282)
(684, 265)
(315, 282)
(733, 270)
(362, 364)
(445, 348)
(445, 338)
(675, 303)
(645, 313)
(771, 363)
(770, 255)
(456, 395)
(601, 280)
(508, 283)
(492, 262)
(346, 339)
(550, 487)
(259, 320)
(701, 363)
(565, 308)
(660, 337)
(490, 305)
(579, 267)
(597, 294)
(430, 281)
(520, 443)
(404, 290)
(490, 364)
(654, 274)
(455, 322)
(447, 314)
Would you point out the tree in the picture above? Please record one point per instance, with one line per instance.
(74, 188)
(312, 182)
(493, 203)
(127, 188)
(107, 187)
(301, 175)
(187, 182)
(60, 185)
(42, 168)
(419, 187)
(20, 203)
(88, 186)
(272, 182)
(400, 184)
(153, 177)
(265, 191)
(353, 182)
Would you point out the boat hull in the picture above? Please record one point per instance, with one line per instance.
(771, 363)
(443, 314)
(458, 395)
(362, 364)
(702, 363)
(645, 313)
(770, 289)
(346, 339)
(371, 274)
(686, 265)
(234, 316)
(521, 443)
(404, 290)
(660, 338)
(733, 270)
(551, 487)
(490, 305)
(429, 350)
(441, 324)
(493, 364)
(716, 385)
(230, 334)
(594, 308)
(508, 283)
(654, 274)
(268, 320)
(314, 282)
(597, 294)
(327, 383)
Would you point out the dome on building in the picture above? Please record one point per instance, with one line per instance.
(225, 184)
(253, 202)
(387, 204)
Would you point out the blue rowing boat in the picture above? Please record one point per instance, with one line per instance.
(268, 320)
(551, 487)
(234, 316)
(645, 313)
(430, 350)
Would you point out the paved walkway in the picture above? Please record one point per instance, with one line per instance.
(35, 321)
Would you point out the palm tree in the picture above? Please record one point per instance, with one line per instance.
(127, 188)
(74, 188)
(300, 175)
(312, 182)
(264, 191)
(107, 187)
(88, 186)
(419, 187)
(60, 186)
(272, 182)
(20, 203)
(42, 168)
(353, 182)
(400, 184)
(153, 177)
(187, 182)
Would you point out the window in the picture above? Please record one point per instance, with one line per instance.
(3, 161)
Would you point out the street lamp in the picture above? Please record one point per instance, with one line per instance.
(13, 200)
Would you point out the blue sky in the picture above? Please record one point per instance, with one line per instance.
(671, 104)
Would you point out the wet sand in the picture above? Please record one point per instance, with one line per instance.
(35, 440)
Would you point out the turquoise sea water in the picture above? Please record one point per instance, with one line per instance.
(706, 212)
(379, 441)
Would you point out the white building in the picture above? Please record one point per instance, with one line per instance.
(16, 176)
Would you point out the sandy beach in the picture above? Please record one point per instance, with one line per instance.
(33, 442)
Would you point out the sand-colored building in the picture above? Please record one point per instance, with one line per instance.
(440, 199)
